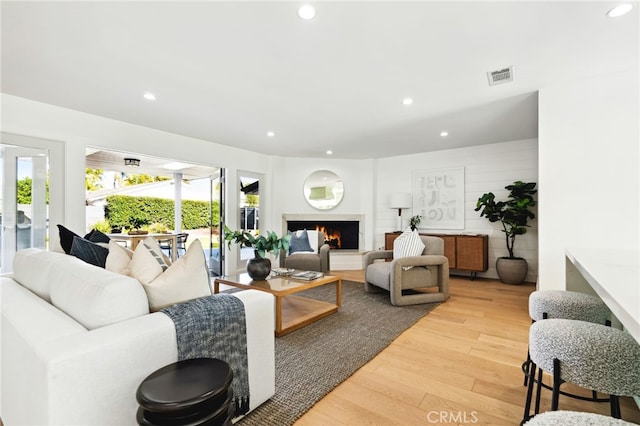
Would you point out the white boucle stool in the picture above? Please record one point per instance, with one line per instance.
(574, 418)
(563, 304)
(592, 356)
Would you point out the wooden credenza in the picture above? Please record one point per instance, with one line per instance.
(465, 252)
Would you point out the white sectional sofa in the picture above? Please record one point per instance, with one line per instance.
(77, 340)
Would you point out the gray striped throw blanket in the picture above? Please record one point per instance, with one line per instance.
(215, 327)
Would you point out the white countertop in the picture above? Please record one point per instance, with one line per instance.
(615, 277)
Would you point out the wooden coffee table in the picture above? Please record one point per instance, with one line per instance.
(292, 312)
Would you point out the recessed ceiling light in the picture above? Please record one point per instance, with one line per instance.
(329, 152)
(407, 101)
(150, 96)
(306, 12)
(444, 133)
(270, 134)
(619, 10)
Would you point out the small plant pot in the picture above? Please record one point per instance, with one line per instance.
(138, 232)
(512, 271)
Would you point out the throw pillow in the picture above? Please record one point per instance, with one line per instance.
(96, 236)
(67, 235)
(299, 242)
(187, 278)
(147, 261)
(408, 244)
(89, 252)
(118, 258)
(66, 238)
(313, 240)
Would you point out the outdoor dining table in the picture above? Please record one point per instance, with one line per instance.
(135, 240)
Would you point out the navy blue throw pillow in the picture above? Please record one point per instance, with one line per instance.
(89, 252)
(66, 238)
(299, 243)
(96, 236)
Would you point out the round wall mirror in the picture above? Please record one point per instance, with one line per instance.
(323, 189)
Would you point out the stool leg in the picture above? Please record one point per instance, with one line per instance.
(526, 367)
(538, 391)
(527, 404)
(556, 384)
(615, 406)
(527, 364)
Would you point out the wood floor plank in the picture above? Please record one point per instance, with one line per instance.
(462, 358)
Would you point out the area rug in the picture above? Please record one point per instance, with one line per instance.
(313, 360)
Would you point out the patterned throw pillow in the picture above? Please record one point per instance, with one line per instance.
(89, 252)
(408, 244)
(147, 261)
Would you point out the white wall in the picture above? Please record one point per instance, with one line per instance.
(488, 168)
(589, 159)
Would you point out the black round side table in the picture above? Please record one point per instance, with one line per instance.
(187, 393)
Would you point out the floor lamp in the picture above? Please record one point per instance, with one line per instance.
(401, 200)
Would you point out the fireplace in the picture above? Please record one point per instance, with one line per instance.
(339, 234)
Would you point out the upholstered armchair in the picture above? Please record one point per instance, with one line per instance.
(308, 261)
(428, 273)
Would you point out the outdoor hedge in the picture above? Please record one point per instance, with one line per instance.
(121, 208)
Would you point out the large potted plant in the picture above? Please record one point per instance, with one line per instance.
(514, 215)
(259, 267)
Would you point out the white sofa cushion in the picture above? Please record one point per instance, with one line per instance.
(31, 268)
(94, 296)
(118, 258)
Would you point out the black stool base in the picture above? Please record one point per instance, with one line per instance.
(191, 392)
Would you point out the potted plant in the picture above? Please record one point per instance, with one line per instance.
(415, 221)
(259, 267)
(136, 224)
(513, 214)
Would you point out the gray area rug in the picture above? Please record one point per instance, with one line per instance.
(313, 360)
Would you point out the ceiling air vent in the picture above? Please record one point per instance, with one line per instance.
(504, 75)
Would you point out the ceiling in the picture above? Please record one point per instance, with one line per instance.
(152, 166)
(229, 72)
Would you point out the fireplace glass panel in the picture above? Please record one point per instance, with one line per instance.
(339, 234)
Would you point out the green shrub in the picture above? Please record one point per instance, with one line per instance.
(103, 226)
(195, 214)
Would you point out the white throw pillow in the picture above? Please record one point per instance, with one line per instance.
(408, 244)
(118, 258)
(147, 261)
(187, 278)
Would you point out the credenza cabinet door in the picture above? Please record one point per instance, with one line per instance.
(472, 252)
(465, 252)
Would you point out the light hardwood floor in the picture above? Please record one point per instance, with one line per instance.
(460, 364)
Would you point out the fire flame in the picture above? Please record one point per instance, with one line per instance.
(331, 237)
